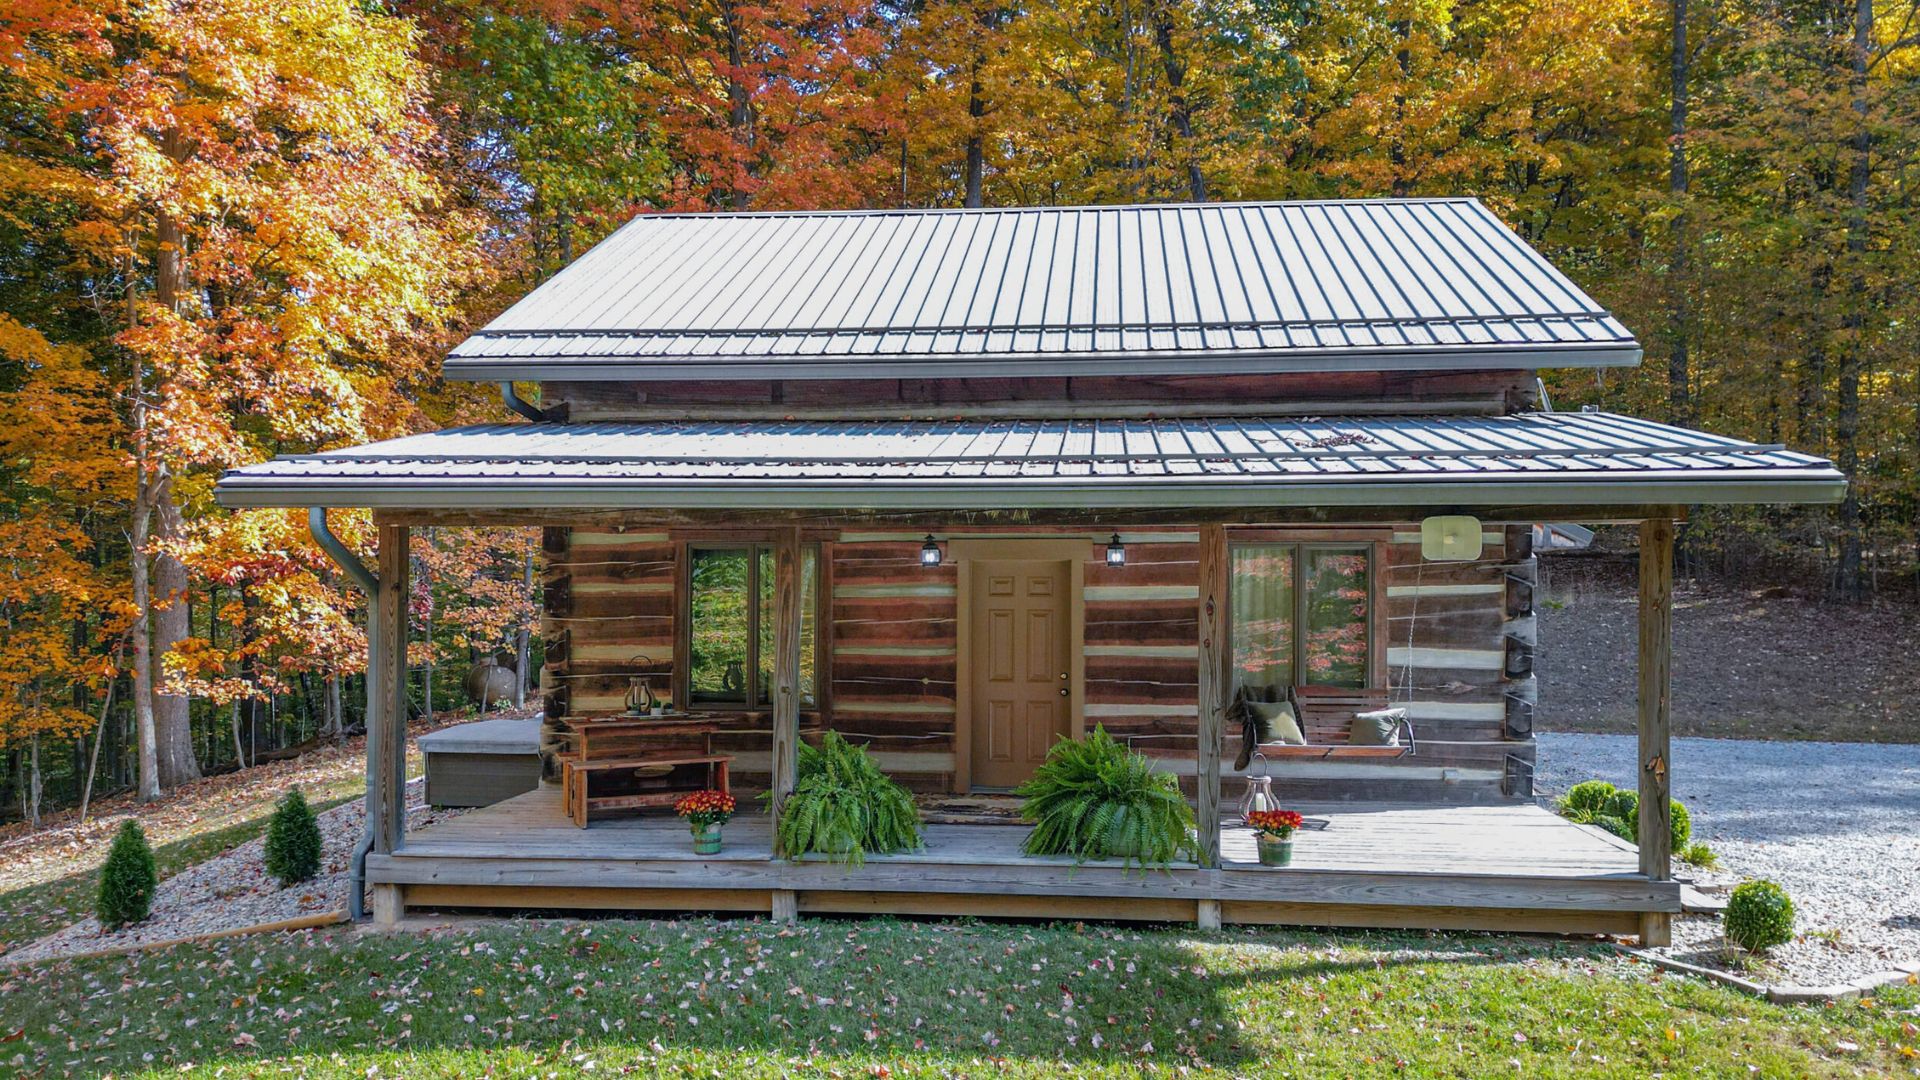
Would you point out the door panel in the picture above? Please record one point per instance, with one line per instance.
(1020, 689)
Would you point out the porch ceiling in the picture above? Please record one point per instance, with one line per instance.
(1558, 459)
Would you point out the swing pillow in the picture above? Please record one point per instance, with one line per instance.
(1277, 722)
(1381, 727)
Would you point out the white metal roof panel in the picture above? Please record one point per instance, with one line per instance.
(1569, 458)
(1218, 287)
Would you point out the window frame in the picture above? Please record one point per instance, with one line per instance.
(1374, 549)
(751, 702)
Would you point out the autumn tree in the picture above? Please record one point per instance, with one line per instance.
(252, 188)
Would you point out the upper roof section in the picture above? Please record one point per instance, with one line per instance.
(1144, 290)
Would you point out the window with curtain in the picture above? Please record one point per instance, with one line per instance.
(1298, 615)
(730, 619)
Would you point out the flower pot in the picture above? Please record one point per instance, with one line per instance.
(706, 839)
(1275, 852)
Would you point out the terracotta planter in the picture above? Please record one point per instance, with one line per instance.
(1275, 852)
(706, 839)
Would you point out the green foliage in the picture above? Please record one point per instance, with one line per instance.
(1587, 799)
(1618, 826)
(1759, 916)
(293, 840)
(1095, 799)
(1700, 855)
(128, 880)
(844, 807)
(1617, 810)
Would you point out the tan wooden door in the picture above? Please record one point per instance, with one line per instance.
(1020, 693)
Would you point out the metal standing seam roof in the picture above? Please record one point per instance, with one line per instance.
(1214, 288)
(1569, 458)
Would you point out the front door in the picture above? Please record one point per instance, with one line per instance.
(1021, 691)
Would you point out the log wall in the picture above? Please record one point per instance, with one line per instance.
(1107, 396)
(1454, 643)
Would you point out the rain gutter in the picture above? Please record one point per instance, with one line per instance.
(357, 570)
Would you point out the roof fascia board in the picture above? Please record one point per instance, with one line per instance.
(583, 369)
(1811, 486)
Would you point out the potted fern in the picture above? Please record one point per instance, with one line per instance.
(844, 807)
(1096, 799)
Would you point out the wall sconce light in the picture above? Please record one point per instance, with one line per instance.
(1116, 552)
(930, 552)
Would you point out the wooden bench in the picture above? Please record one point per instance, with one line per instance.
(1326, 719)
(576, 782)
(635, 763)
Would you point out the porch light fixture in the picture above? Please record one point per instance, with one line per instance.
(1116, 552)
(930, 552)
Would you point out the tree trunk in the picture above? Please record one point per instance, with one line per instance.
(1397, 147)
(739, 105)
(976, 140)
(173, 727)
(34, 780)
(426, 630)
(336, 723)
(1679, 393)
(142, 607)
(523, 637)
(1178, 112)
(99, 736)
(1847, 577)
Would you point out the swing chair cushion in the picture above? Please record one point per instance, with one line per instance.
(1278, 723)
(1331, 721)
(1378, 727)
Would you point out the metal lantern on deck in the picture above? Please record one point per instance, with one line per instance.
(1259, 794)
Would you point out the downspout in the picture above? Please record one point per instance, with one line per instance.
(357, 570)
(512, 399)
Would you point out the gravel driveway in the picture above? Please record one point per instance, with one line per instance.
(1837, 824)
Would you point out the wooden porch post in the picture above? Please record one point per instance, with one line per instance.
(1212, 686)
(786, 666)
(387, 694)
(1656, 670)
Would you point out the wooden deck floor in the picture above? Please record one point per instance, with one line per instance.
(1508, 866)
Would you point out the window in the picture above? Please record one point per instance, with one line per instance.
(730, 625)
(1299, 615)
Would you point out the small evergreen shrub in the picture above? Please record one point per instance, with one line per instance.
(1759, 916)
(1095, 799)
(1700, 855)
(128, 880)
(1680, 821)
(1586, 800)
(1624, 805)
(1620, 827)
(293, 840)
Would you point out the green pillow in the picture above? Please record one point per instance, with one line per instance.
(1277, 722)
(1381, 727)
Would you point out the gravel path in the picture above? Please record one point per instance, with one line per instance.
(234, 890)
(1836, 824)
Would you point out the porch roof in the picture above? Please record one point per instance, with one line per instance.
(1216, 288)
(1530, 458)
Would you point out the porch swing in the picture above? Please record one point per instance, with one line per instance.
(1341, 722)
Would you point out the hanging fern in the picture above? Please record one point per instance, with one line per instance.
(844, 807)
(1096, 799)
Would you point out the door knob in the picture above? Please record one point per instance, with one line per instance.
(1063, 691)
(1063, 675)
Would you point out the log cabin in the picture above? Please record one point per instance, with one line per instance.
(958, 484)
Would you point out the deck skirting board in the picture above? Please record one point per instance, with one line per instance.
(1624, 893)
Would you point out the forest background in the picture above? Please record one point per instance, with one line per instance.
(231, 229)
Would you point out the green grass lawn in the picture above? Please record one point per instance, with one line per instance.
(38, 910)
(884, 998)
